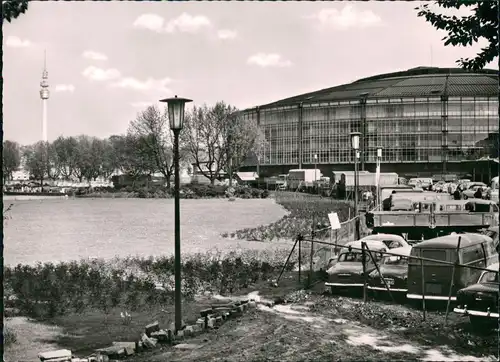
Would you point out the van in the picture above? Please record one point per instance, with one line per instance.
(475, 250)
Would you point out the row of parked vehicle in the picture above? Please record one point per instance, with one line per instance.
(424, 271)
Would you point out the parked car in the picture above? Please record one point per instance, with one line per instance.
(394, 270)
(475, 250)
(493, 233)
(346, 272)
(480, 301)
(392, 241)
(473, 187)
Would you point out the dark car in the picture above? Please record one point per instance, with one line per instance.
(346, 273)
(480, 301)
(394, 269)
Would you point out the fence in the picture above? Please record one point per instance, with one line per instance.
(366, 252)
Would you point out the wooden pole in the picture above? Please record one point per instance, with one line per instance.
(300, 258)
(365, 277)
(452, 282)
(380, 273)
(423, 286)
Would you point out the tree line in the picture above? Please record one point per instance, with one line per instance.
(214, 140)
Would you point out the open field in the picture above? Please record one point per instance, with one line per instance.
(62, 230)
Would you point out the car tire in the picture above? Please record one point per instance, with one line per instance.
(466, 197)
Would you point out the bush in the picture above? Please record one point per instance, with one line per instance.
(303, 213)
(48, 290)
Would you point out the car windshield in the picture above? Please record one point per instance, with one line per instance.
(395, 260)
(391, 244)
(350, 256)
(489, 277)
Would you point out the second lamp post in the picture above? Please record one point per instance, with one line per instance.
(176, 119)
(355, 146)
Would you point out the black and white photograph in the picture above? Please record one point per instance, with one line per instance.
(250, 181)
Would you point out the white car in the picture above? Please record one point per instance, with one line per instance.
(390, 240)
(473, 187)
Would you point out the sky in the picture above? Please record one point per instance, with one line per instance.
(107, 61)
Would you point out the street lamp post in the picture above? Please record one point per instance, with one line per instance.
(176, 118)
(355, 146)
(379, 160)
(316, 173)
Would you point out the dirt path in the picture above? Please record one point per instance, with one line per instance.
(31, 338)
(299, 332)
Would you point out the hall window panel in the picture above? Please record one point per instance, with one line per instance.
(423, 154)
(421, 109)
(493, 107)
(467, 107)
(435, 108)
(482, 124)
(455, 154)
(343, 112)
(454, 108)
(435, 154)
(394, 110)
(409, 109)
(455, 140)
(481, 108)
(454, 124)
(371, 111)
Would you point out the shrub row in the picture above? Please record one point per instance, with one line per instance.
(192, 191)
(302, 214)
(48, 290)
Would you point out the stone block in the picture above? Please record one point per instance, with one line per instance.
(244, 306)
(102, 358)
(252, 304)
(210, 323)
(153, 327)
(189, 331)
(112, 351)
(206, 312)
(196, 329)
(55, 355)
(131, 345)
(179, 335)
(170, 335)
(161, 336)
(147, 342)
(218, 321)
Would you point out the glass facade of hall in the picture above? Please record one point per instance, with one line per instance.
(408, 129)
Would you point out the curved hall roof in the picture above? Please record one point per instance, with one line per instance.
(415, 82)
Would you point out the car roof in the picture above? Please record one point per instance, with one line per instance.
(402, 251)
(451, 241)
(383, 237)
(371, 244)
(493, 267)
(493, 228)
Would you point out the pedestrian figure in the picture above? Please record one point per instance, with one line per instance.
(457, 195)
(479, 193)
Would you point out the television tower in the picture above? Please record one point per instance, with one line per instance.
(44, 95)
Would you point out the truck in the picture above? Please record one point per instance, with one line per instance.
(303, 179)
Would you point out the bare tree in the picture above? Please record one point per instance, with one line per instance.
(218, 139)
(52, 162)
(152, 129)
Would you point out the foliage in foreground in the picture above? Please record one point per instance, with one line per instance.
(302, 214)
(466, 30)
(48, 290)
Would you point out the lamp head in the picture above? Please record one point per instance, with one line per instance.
(176, 111)
(355, 140)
